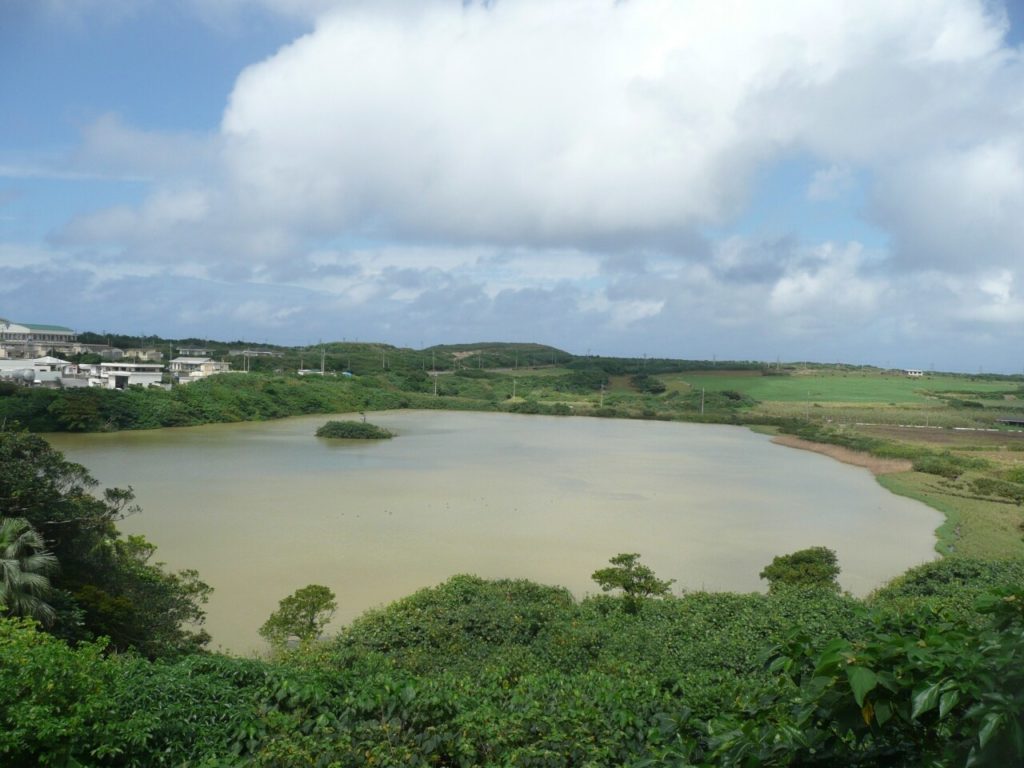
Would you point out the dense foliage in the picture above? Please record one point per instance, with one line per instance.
(103, 583)
(353, 430)
(476, 673)
(224, 398)
(811, 567)
(25, 566)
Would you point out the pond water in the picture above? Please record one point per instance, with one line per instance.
(262, 509)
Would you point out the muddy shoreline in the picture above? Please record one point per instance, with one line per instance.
(873, 464)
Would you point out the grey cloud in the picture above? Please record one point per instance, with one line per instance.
(957, 211)
(758, 261)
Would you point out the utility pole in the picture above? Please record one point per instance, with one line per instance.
(602, 397)
(513, 389)
(702, 401)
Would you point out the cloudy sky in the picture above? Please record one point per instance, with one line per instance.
(804, 179)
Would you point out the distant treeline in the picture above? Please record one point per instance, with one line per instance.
(226, 398)
(618, 366)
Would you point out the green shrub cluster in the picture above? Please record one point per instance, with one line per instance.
(225, 398)
(353, 430)
(644, 382)
(1003, 489)
(947, 466)
(478, 673)
(105, 584)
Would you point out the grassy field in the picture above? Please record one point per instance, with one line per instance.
(832, 387)
(974, 527)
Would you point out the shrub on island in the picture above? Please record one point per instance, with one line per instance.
(353, 430)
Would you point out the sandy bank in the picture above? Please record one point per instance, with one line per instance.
(857, 458)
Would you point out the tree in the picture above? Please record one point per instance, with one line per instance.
(301, 616)
(812, 567)
(643, 382)
(24, 565)
(635, 580)
(106, 584)
(142, 607)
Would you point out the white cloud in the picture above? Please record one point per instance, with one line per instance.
(829, 183)
(161, 214)
(959, 209)
(27, 255)
(828, 285)
(540, 122)
(111, 147)
(578, 154)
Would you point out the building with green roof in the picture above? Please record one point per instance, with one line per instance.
(34, 333)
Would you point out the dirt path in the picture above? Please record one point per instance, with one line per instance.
(857, 458)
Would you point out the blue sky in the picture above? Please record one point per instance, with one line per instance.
(808, 180)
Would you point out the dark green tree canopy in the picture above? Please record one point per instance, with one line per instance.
(811, 567)
(105, 585)
(353, 430)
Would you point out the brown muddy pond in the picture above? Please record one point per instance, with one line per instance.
(262, 509)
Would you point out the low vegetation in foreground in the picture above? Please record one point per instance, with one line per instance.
(353, 430)
(483, 673)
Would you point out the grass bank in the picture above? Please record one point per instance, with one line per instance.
(975, 526)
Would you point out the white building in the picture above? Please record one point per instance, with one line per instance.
(914, 373)
(144, 355)
(30, 339)
(40, 370)
(186, 369)
(34, 333)
(121, 375)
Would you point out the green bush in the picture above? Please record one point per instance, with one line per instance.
(943, 466)
(353, 430)
(991, 486)
(643, 382)
(477, 672)
(815, 567)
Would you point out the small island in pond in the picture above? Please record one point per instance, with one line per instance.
(353, 430)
